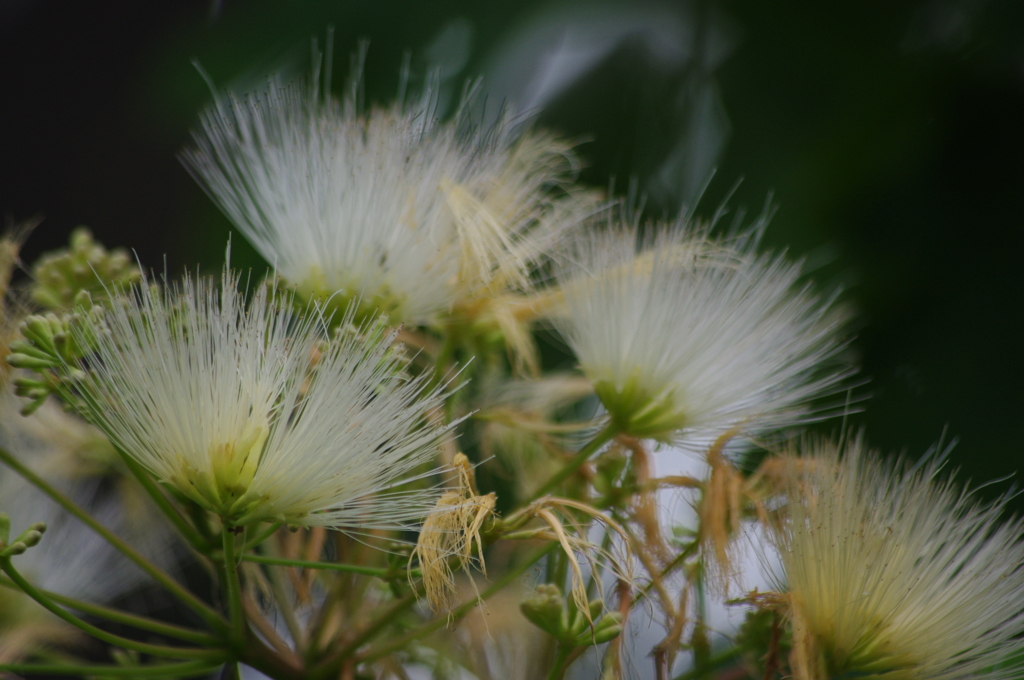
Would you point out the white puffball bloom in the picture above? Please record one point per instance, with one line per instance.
(891, 573)
(406, 214)
(691, 338)
(247, 410)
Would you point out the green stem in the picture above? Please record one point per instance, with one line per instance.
(198, 516)
(99, 634)
(701, 645)
(233, 586)
(716, 660)
(159, 575)
(444, 356)
(525, 535)
(133, 620)
(329, 566)
(180, 523)
(556, 569)
(584, 454)
(676, 562)
(328, 668)
(563, 659)
(460, 611)
(443, 370)
(262, 536)
(259, 656)
(186, 669)
(285, 607)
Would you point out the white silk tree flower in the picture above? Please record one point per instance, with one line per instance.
(892, 574)
(246, 409)
(691, 338)
(393, 208)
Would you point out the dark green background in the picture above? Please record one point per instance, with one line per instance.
(890, 133)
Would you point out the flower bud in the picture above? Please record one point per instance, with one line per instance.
(16, 548)
(83, 300)
(581, 623)
(22, 386)
(31, 538)
(38, 331)
(28, 349)
(546, 609)
(608, 628)
(30, 362)
(33, 406)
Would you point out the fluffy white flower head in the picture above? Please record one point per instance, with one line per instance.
(407, 214)
(245, 409)
(694, 337)
(892, 574)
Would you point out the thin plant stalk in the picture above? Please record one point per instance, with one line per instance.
(187, 531)
(285, 606)
(582, 456)
(260, 537)
(328, 668)
(327, 566)
(208, 614)
(460, 611)
(125, 618)
(563, 659)
(233, 586)
(184, 669)
(99, 634)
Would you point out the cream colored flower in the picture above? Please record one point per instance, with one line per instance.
(892, 574)
(692, 337)
(406, 214)
(247, 410)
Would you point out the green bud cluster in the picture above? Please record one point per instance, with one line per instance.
(84, 266)
(28, 538)
(548, 610)
(50, 342)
